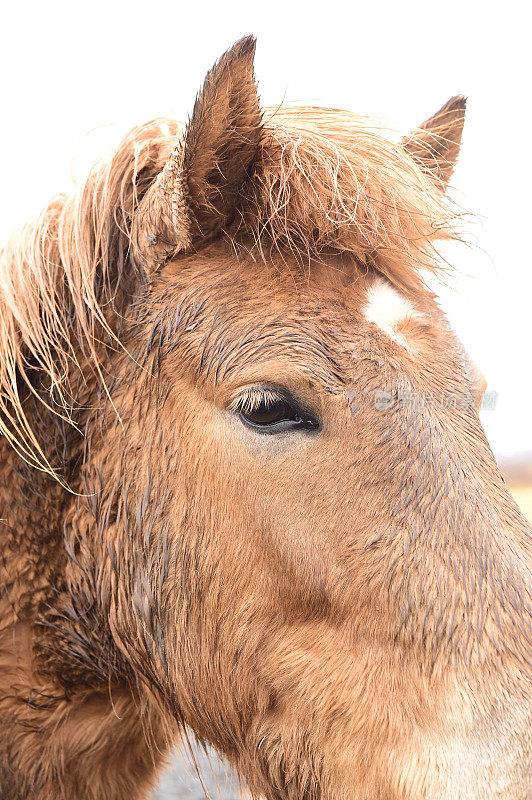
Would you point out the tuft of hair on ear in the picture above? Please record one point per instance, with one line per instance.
(435, 145)
(222, 138)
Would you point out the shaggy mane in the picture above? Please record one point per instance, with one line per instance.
(327, 179)
(322, 179)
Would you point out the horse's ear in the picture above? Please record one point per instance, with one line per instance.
(436, 143)
(197, 192)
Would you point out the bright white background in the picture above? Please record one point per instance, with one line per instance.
(75, 76)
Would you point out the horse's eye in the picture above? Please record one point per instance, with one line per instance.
(267, 411)
(271, 411)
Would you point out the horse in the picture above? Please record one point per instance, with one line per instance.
(245, 492)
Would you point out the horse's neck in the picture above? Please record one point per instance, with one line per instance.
(89, 744)
(30, 538)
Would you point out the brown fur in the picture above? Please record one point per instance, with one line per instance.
(346, 614)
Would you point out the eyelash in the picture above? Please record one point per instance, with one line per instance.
(250, 399)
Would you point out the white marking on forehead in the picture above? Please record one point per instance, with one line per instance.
(386, 308)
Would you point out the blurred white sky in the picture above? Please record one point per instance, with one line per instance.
(76, 76)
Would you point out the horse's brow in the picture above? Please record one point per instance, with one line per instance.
(222, 344)
(224, 351)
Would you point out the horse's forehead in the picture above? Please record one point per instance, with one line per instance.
(248, 313)
(332, 296)
(334, 284)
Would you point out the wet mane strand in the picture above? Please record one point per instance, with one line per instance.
(322, 179)
(63, 277)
